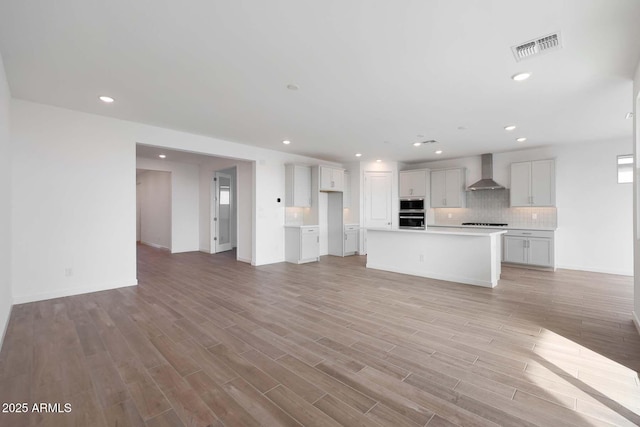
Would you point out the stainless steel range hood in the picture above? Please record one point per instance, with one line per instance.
(487, 182)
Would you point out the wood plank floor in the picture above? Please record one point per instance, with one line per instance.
(208, 341)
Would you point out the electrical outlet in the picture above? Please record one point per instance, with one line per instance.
(68, 272)
(449, 215)
(534, 216)
(421, 257)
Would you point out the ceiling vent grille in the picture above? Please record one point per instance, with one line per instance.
(536, 47)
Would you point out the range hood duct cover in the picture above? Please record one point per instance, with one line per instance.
(487, 182)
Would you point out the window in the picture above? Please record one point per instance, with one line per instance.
(225, 193)
(625, 169)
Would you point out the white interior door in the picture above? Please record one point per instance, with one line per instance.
(377, 199)
(222, 212)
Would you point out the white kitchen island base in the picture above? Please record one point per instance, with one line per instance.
(465, 256)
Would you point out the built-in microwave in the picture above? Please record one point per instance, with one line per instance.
(411, 204)
(413, 220)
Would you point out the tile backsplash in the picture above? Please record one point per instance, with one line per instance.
(493, 206)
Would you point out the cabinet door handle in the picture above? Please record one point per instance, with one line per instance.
(345, 237)
(318, 239)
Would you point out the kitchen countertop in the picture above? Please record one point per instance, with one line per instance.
(446, 230)
(508, 227)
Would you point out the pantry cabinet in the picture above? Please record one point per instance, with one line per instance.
(533, 183)
(447, 188)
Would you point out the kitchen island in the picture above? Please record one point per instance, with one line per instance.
(470, 256)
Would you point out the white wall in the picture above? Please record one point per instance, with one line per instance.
(595, 222)
(6, 297)
(246, 206)
(185, 202)
(154, 190)
(73, 203)
(636, 196)
(80, 169)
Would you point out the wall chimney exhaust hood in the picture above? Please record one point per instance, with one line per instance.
(487, 182)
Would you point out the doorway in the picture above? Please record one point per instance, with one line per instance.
(153, 208)
(224, 211)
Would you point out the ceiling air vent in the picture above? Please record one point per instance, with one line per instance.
(536, 47)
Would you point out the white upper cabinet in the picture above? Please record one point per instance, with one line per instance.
(413, 183)
(297, 186)
(331, 179)
(533, 183)
(346, 194)
(447, 188)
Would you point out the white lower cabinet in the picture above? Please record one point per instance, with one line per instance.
(302, 243)
(531, 247)
(351, 239)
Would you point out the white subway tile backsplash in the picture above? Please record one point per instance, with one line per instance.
(493, 206)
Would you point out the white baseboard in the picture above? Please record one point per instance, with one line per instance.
(6, 326)
(596, 270)
(23, 299)
(154, 245)
(432, 275)
(636, 321)
(247, 260)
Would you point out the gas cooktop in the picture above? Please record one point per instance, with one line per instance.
(485, 224)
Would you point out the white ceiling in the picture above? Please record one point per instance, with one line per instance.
(373, 74)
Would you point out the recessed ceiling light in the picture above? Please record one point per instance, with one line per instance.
(510, 127)
(378, 160)
(629, 116)
(292, 86)
(162, 156)
(520, 77)
(417, 144)
(358, 154)
(106, 99)
(522, 139)
(286, 142)
(439, 152)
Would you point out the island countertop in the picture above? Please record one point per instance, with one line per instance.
(445, 230)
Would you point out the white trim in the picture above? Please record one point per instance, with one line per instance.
(153, 245)
(596, 270)
(247, 260)
(6, 326)
(433, 275)
(636, 320)
(70, 291)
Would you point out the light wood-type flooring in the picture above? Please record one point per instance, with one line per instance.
(205, 340)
